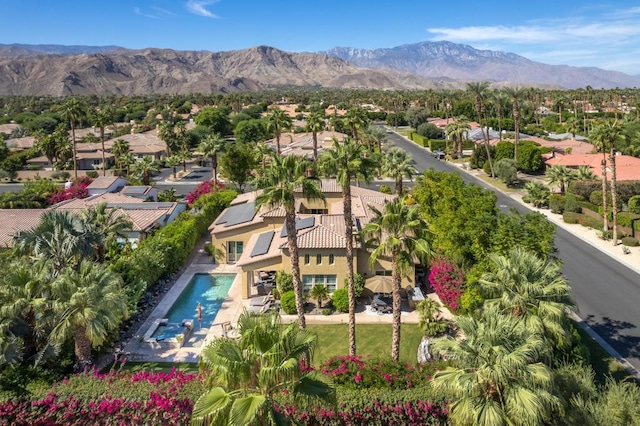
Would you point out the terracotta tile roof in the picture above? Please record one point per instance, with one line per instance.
(143, 219)
(21, 143)
(103, 182)
(320, 237)
(8, 128)
(15, 220)
(627, 167)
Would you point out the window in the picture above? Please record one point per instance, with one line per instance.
(234, 251)
(307, 259)
(329, 281)
(318, 259)
(332, 259)
(384, 273)
(319, 211)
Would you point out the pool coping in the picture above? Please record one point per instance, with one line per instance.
(140, 349)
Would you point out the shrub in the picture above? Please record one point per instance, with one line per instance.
(78, 189)
(572, 204)
(630, 241)
(470, 300)
(358, 282)
(487, 167)
(571, 217)
(288, 302)
(284, 282)
(204, 188)
(557, 203)
(506, 170)
(340, 299)
(385, 189)
(529, 157)
(504, 149)
(446, 280)
(429, 131)
(326, 311)
(92, 174)
(628, 219)
(634, 204)
(60, 175)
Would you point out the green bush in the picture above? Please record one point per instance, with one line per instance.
(340, 299)
(557, 203)
(470, 300)
(572, 204)
(385, 189)
(437, 144)
(628, 219)
(479, 156)
(630, 241)
(358, 282)
(504, 149)
(529, 157)
(571, 217)
(288, 302)
(487, 168)
(60, 175)
(506, 171)
(92, 174)
(284, 281)
(634, 204)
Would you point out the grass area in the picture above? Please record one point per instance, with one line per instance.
(372, 339)
(604, 365)
(166, 367)
(502, 186)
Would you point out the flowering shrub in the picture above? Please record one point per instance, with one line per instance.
(447, 280)
(78, 189)
(205, 187)
(354, 372)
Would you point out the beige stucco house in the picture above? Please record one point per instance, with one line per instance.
(255, 239)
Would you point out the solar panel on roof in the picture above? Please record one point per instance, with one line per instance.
(240, 213)
(304, 223)
(135, 190)
(262, 244)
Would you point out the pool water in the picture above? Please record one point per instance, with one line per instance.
(208, 289)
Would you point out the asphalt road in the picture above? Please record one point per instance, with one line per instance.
(607, 292)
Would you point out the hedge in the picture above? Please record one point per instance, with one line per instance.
(630, 242)
(625, 189)
(630, 220)
(584, 220)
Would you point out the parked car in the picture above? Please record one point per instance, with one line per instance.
(439, 154)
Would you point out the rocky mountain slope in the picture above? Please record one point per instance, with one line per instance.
(464, 63)
(129, 72)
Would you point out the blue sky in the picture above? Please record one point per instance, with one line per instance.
(573, 32)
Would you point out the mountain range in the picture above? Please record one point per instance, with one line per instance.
(80, 70)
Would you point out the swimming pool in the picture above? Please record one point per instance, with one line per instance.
(209, 290)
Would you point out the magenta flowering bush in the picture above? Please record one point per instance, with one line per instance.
(77, 190)
(356, 372)
(447, 280)
(204, 188)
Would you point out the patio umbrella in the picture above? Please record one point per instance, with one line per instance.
(379, 284)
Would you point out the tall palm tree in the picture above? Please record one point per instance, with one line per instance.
(585, 173)
(479, 91)
(560, 175)
(347, 161)
(397, 164)
(315, 124)
(90, 303)
(101, 118)
(457, 129)
(355, 119)
(525, 286)
(500, 102)
(375, 137)
(173, 161)
(277, 122)
(119, 149)
(287, 176)
(516, 95)
(107, 225)
(572, 127)
(167, 134)
(497, 377)
(606, 135)
(247, 375)
(61, 236)
(210, 146)
(397, 232)
(143, 168)
(72, 111)
(263, 152)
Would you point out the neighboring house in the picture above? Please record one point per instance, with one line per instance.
(21, 144)
(301, 144)
(255, 240)
(104, 184)
(8, 128)
(42, 162)
(142, 192)
(627, 167)
(141, 145)
(16, 220)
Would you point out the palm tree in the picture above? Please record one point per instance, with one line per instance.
(247, 375)
(585, 173)
(315, 124)
(572, 127)
(538, 193)
(516, 94)
(497, 377)
(277, 122)
(101, 118)
(397, 164)
(143, 168)
(479, 90)
(320, 293)
(107, 225)
(397, 232)
(167, 134)
(561, 175)
(61, 236)
(279, 183)
(533, 289)
(173, 162)
(606, 135)
(347, 161)
(72, 111)
(356, 119)
(457, 129)
(90, 303)
(119, 149)
(375, 136)
(210, 146)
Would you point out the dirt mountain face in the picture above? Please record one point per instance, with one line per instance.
(140, 72)
(464, 63)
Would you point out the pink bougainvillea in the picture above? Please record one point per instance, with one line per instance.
(446, 279)
(203, 189)
(78, 189)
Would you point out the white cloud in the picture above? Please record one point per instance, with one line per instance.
(198, 7)
(137, 11)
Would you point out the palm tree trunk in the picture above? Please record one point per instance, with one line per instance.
(395, 339)
(214, 168)
(75, 153)
(292, 239)
(104, 165)
(278, 142)
(605, 225)
(315, 147)
(614, 196)
(82, 345)
(174, 171)
(399, 185)
(348, 221)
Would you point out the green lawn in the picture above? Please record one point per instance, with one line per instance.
(604, 365)
(373, 339)
(166, 367)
